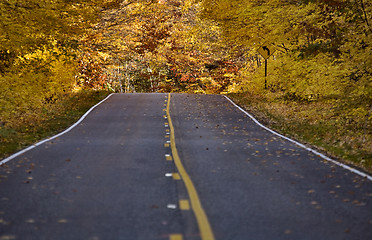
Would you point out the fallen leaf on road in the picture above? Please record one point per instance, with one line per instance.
(30, 220)
(7, 237)
(62, 220)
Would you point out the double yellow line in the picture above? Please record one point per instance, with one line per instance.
(203, 223)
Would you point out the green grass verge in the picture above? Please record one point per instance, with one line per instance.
(321, 124)
(54, 118)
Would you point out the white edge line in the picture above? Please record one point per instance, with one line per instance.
(362, 174)
(55, 136)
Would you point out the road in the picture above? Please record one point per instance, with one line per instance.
(192, 167)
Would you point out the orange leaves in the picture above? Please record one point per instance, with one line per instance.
(185, 77)
(90, 72)
(167, 37)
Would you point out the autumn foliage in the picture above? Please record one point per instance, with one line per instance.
(322, 52)
(42, 57)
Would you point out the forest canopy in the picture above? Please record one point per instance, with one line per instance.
(48, 48)
(323, 47)
(40, 48)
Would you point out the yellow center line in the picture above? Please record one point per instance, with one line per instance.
(203, 223)
(176, 176)
(175, 237)
(184, 205)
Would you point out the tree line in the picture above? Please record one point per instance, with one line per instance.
(49, 48)
(40, 51)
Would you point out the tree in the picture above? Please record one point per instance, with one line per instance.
(39, 45)
(306, 33)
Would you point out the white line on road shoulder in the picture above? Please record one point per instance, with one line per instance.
(51, 138)
(362, 174)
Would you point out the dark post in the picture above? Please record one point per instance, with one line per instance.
(265, 73)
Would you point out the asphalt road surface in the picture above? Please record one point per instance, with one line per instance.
(191, 167)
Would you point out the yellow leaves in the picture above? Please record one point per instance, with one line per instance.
(358, 113)
(323, 51)
(103, 55)
(34, 79)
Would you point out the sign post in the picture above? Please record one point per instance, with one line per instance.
(266, 50)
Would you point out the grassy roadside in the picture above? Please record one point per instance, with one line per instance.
(55, 118)
(323, 124)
